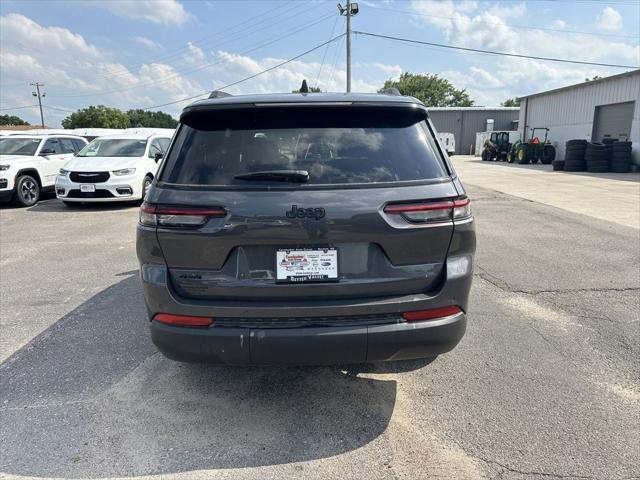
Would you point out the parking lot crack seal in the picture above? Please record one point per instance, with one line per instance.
(503, 285)
(493, 280)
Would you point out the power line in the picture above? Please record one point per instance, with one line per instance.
(324, 55)
(336, 55)
(203, 66)
(19, 108)
(59, 109)
(251, 76)
(492, 52)
(577, 32)
(218, 37)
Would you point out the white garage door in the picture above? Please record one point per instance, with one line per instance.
(613, 121)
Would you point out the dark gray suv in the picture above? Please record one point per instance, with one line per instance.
(306, 229)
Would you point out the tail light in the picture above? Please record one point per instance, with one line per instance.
(432, 212)
(177, 216)
(183, 320)
(431, 314)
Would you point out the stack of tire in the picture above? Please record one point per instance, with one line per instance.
(621, 157)
(597, 157)
(574, 160)
(608, 143)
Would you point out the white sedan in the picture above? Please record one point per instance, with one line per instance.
(112, 168)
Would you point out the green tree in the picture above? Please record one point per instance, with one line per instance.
(511, 102)
(97, 116)
(431, 90)
(144, 118)
(12, 120)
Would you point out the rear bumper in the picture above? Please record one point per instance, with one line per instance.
(309, 345)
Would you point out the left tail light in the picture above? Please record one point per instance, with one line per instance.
(432, 212)
(183, 320)
(168, 216)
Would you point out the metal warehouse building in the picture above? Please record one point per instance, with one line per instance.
(465, 122)
(607, 107)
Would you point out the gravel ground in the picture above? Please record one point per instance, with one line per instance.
(544, 385)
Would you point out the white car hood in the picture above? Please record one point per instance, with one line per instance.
(16, 159)
(100, 164)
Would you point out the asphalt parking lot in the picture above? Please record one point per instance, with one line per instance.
(545, 384)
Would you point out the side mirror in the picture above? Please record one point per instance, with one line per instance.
(47, 151)
(158, 156)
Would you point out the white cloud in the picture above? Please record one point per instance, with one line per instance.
(560, 24)
(392, 71)
(194, 54)
(78, 74)
(36, 37)
(232, 67)
(163, 12)
(147, 42)
(610, 19)
(488, 29)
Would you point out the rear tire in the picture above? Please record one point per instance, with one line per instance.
(522, 155)
(27, 191)
(549, 154)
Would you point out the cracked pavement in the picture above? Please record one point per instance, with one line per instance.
(545, 384)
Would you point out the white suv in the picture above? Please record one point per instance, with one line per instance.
(29, 164)
(112, 168)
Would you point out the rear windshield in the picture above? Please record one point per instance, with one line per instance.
(114, 147)
(334, 145)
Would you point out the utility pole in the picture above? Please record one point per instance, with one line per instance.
(40, 97)
(349, 11)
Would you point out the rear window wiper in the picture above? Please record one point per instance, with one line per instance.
(299, 176)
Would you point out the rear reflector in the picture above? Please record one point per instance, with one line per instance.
(432, 212)
(178, 217)
(431, 314)
(183, 320)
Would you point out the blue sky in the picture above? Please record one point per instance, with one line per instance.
(141, 53)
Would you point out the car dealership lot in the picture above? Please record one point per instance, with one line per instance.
(544, 384)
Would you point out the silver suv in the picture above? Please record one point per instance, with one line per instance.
(306, 229)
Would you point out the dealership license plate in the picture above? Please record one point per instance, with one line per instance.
(307, 265)
(87, 188)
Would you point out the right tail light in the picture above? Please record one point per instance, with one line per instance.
(432, 212)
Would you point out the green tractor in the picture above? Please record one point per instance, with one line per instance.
(497, 147)
(533, 149)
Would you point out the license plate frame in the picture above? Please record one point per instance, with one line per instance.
(307, 265)
(87, 188)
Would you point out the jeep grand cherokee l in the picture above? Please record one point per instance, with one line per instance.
(306, 229)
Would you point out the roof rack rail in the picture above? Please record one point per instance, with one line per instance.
(390, 91)
(219, 94)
